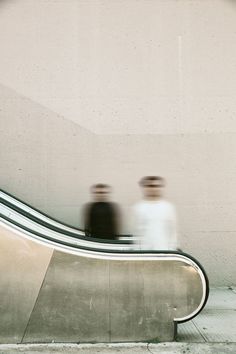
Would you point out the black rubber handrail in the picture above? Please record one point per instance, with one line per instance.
(53, 227)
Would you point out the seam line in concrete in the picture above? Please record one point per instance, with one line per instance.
(26, 328)
(149, 348)
(201, 334)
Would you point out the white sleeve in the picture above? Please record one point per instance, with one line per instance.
(136, 227)
(173, 242)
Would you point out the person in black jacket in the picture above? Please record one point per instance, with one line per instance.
(101, 217)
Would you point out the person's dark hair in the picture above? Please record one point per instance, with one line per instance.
(100, 186)
(147, 179)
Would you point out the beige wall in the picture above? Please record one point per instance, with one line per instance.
(112, 90)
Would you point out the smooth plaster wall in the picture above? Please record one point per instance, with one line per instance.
(109, 91)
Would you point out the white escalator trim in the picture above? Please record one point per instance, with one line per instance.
(54, 235)
(39, 215)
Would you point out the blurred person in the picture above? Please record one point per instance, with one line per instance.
(154, 217)
(101, 217)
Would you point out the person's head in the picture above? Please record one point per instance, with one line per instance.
(152, 186)
(100, 192)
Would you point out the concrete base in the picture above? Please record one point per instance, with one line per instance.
(141, 348)
(220, 299)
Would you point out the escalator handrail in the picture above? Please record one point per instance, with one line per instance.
(52, 227)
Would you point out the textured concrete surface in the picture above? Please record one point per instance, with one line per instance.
(165, 348)
(216, 323)
(23, 265)
(126, 67)
(161, 74)
(220, 298)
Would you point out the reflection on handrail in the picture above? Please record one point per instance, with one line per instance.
(7, 200)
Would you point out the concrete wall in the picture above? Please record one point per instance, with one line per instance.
(109, 91)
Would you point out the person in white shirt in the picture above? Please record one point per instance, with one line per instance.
(154, 218)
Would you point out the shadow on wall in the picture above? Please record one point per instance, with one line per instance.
(50, 163)
(44, 157)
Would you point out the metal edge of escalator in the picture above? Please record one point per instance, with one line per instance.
(37, 210)
(115, 255)
(32, 226)
(79, 235)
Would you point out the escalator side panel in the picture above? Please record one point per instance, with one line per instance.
(92, 296)
(23, 265)
(73, 304)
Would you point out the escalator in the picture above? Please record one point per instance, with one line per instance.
(56, 285)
